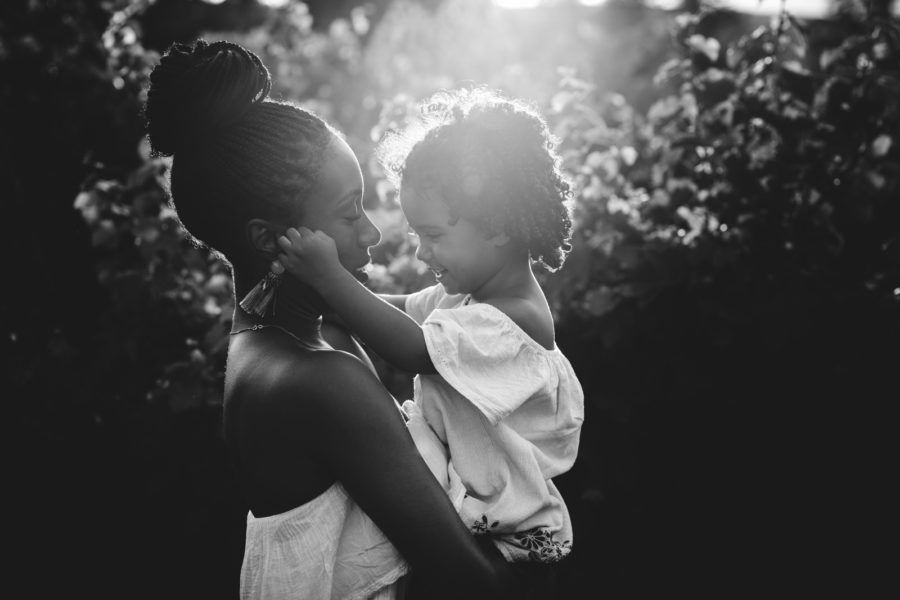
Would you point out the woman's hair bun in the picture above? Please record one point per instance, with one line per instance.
(200, 88)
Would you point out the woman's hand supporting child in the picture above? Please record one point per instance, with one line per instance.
(312, 257)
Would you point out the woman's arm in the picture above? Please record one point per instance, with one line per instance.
(348, 422)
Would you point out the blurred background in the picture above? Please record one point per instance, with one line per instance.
(731, 306)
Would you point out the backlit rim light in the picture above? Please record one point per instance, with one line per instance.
(800, 8)
(517, 3)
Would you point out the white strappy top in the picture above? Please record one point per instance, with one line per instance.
(326, 549)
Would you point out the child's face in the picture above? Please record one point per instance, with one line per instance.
(462, 257)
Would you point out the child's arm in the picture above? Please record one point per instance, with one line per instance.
(392, 334)
(395, 300)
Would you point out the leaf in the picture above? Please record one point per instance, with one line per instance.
(663, 110)
(561, 100)
(881, 145)
(709, 47)
(600, 301)
(876, 179)
(104, 233)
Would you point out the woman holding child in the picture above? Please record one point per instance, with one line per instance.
(342, 504)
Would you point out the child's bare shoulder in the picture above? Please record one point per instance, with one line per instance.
(532, 317)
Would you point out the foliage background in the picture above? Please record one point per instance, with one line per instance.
(731, 305)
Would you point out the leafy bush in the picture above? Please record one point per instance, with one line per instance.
(732, 299)
(758, 190)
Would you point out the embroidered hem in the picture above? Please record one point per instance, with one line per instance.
(533, 545)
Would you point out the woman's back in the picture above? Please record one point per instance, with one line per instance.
(305, 536)
(265, 427)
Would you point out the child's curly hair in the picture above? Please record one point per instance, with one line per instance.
(493, 161)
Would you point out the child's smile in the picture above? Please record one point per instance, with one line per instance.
(455, 250)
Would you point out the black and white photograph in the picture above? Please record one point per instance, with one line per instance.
(450, 299)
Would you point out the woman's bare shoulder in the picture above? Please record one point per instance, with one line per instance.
(304, 384)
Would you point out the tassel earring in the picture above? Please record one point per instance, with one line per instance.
(257, 300)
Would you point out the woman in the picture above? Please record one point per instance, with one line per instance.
(314, 435)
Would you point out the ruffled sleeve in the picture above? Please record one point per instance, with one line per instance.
(420, 304)
(481, 353)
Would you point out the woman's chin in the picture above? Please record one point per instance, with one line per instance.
(362, 273)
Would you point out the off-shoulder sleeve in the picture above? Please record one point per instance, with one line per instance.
(486, 358)
(420, 304)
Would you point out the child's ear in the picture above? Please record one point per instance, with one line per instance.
(262, 236)
(499, 239)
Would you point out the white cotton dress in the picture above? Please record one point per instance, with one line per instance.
(498, 421)
(326, 549)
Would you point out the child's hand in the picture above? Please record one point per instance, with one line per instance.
(310, 256)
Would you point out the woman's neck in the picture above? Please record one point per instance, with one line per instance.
(296, 308)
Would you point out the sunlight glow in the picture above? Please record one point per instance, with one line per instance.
(269, 3)
(808, 9)
(798, 8)
(517, 3)
(665, 4)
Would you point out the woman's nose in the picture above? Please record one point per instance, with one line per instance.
(422, 251)
(369, 234)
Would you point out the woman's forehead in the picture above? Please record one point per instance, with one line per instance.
(338, 177)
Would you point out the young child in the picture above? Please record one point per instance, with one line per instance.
(498, 409)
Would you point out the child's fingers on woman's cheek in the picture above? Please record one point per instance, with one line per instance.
(304, 231)
(284, 242)
(293, 235)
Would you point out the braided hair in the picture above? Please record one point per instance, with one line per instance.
(493, 161)
(236, 153)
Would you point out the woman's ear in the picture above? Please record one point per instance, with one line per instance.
(262, 236)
